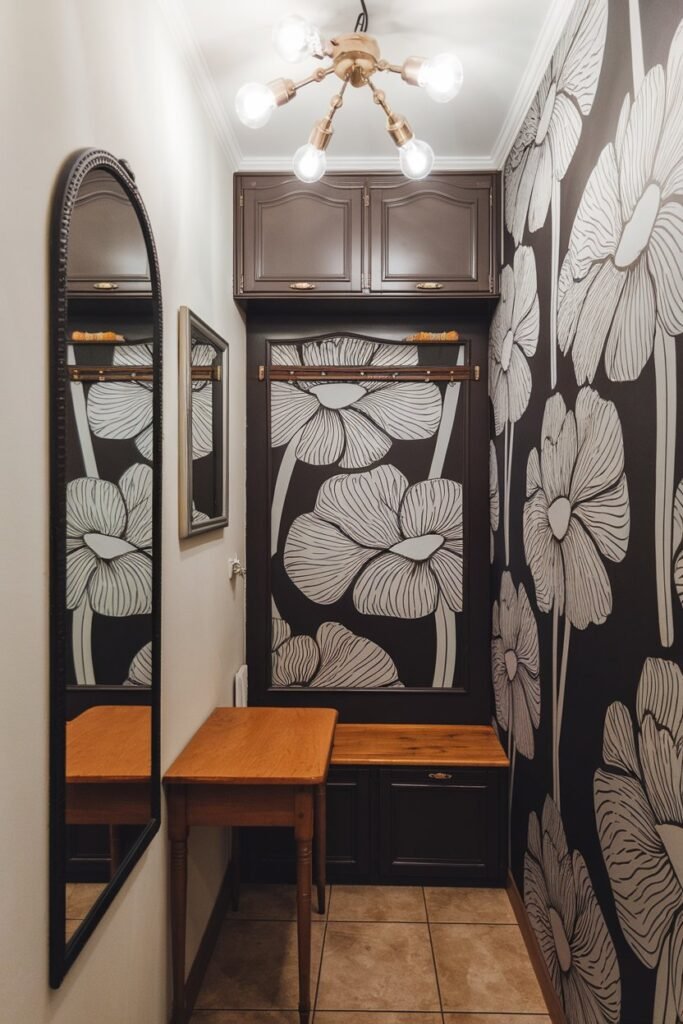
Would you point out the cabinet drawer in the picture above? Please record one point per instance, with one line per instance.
(443, 824)
(431, 237)
(298, 239)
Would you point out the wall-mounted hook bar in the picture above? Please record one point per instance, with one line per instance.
(101, 374)
(369, 373)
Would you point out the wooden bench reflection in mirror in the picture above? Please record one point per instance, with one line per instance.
(105, 353)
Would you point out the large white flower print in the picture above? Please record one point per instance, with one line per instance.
(515, 666)
(350, 423)
(571, 930)
(335, 658)
(513, 338)
(621, 285)
(494, 497)
(552, 127)
(140, 671)
(108, 543)
(403, 546)
(577, 513)
(678, 541)
(639, 814)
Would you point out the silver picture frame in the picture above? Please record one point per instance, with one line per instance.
(203, 442)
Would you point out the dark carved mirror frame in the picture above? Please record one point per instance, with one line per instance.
(63, 954)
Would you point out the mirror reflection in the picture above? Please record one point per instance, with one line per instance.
(109, 565)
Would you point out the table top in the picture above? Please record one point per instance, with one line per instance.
(454, 745)
(109, 744)
(258, 746)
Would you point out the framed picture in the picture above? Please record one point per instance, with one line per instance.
(203, 421)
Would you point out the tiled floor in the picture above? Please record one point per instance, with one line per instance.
(79, 899)
(381, 955)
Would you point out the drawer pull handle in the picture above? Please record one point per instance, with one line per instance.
(440, 776)
(429, 286)
(105, 286)
(302, 286)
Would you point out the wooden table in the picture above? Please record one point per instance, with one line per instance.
(109, 769)
(252, 766)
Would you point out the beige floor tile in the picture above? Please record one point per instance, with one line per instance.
(358, 1017)
(377, 903)
(71, 927)
(271, 903)
(496, 1018)
(80, 897)
(245, 1017)
(485, 969)
(469, 906)
(255, 966)
(377, 967)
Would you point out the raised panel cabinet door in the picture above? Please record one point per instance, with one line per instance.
(432, 237)
(349, 839)
(440, 823)
(298, 239)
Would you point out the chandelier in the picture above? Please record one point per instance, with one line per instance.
(355, 59)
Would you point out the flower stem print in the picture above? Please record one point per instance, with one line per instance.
(577, 510)
(621, 283)
(81, 621)
(555, 207)
(450, 407)
(284, 476)
(639, 817)
(513, 339)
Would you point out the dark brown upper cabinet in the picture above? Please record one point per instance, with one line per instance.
(298, 238)
(365, 235)
(431, 236)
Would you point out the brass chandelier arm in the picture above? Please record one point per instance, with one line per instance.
(317, 76)
(322, 130)
(397, 126)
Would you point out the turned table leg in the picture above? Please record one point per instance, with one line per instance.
(320, 844)
(303, 832)
(177, 829)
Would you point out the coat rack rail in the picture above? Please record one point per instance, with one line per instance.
(135, 374)
(369, 373)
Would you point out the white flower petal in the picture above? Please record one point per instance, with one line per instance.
(284, 355)
(322, 439)
(531, 686)
(608, 520)
(290, 408)
(122, 586)
(630, 341)
(202, 354)
(494, 494)
(580, 72)
(558, 458)
(543, 555)
(533, 473)
(509, 612)
(526, 184)
(448, 569)
(618, 744)
(365, 505)
(571, 297)
(676, 967)
(338, 351)
(406, 411)
(365, 444)
(80, 565)
(678, 517)
(542, 187)
(136, 487)
(140, 671)
(119, 410)
(280, 632)
(432, 506)
(641, 138)
(564, 132)
(523, 732)
(295, 662)
(526, 647)
(595, 319)
(662, 771)
(660, 694)
(501, 683)
(526, 332)
(600, 460)
(94, 506)
(665, 260)
(320, 560)
(518, 380)
(396, 586)
(598, 222)
(588, 591)
(595, 969)
(668, 167)
(351, 661)
(133, 355)
(144, 443)
(395, 355)
(499, 397)
(202, 422)
(501, 321)
(536, 901)
(646, 891)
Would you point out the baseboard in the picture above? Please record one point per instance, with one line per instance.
(208, 942)
(555, 1008)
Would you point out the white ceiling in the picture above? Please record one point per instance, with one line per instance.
(503, 45)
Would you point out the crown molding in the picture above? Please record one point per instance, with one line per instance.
(177, 20)
(368, 163)
(548, 38)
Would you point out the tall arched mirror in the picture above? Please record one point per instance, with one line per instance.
(105, 350)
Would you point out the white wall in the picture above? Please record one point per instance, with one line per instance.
(76, 73)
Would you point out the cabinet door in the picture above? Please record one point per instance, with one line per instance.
(348, 825)
(298, 239)
(432, 236)
(442, 824)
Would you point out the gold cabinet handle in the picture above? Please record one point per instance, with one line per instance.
(429, 286)
(105, 286)
(302, 286)
(440, 776)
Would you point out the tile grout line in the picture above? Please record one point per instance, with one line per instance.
(431, 946)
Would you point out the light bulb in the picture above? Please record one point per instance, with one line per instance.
(416, 158)
(295, 38)
(441, 77)
(309, 163)
(254, 104)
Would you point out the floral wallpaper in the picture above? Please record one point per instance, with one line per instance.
(586, 490)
